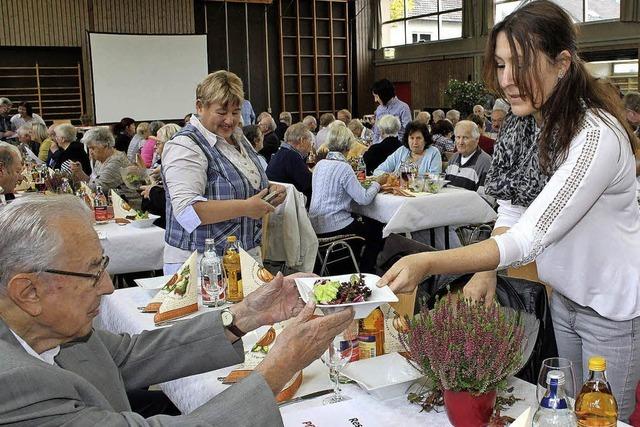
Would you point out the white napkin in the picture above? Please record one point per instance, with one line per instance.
(524, 420)
(249, 268)
(182, 298)
(118, 206)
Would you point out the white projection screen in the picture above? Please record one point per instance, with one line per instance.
(146, 77)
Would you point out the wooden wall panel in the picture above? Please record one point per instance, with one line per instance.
(42, 23)
(364, 55)
(64, 23)
(428, 78)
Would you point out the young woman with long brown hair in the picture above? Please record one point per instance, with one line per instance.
(563, 172)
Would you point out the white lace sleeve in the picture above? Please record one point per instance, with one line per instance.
(593, 163)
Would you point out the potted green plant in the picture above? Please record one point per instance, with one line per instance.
(467, 351)
(463, 95)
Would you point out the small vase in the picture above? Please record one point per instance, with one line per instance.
(467, 410)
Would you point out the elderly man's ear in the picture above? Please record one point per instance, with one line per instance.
(22, 290)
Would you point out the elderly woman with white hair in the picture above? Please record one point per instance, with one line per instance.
(335, 186)
(389, 127)
(67, 151)
(107, 160)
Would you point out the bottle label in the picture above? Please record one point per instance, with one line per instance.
(101, 213)
(362, 175)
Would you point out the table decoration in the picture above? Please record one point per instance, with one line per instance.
(179, 296)
(467, 351)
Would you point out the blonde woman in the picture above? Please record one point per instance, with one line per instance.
(40, 135)
(215, 184)
(142, 133)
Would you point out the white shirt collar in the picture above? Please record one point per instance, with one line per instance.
(47, 356)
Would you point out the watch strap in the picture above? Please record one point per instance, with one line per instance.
(232, 327)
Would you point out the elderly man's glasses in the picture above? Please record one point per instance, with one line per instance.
(95, 276)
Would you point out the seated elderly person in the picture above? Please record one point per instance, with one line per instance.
(335, 187)
(389, 127)
(67, 150)
(58, 370)
(289, 163)
(438, 115)
(270, 140)
(442, 135)
(10, 171)
(498, 114)
(469, 166)
(416, 149)
(256, 139)
(453, 116)
(25, 140)
(363, 136)
(107, 160)
(485, 142)
(284, 121)
(424, 117)
(6, 128)
(325, 120)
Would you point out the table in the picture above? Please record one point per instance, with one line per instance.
(131, 249)
(449, 207)
(119, 314)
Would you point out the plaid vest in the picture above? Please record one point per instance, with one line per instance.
(224, 182)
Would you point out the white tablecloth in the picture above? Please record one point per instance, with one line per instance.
(131, 249)
(451, 206)
(119, 314)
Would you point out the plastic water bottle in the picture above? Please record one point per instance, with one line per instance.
(212, 284)
(554, 411)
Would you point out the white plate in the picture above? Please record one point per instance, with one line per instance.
(362, 309)
(385, 377)
(153, 282)
(144, 223)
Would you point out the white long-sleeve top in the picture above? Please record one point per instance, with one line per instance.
(583, 229)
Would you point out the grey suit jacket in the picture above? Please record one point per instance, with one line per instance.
(88, 385)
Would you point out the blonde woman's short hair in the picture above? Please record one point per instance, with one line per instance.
(143, 129)
(222, 87)
(39, 132)
(166, 132)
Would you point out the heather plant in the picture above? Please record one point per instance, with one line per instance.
(465, 346)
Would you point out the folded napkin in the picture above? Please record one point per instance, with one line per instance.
(257, 355)
(524, 420)
(182, 298)
(188, 273)
(253, 274)
(121, 209)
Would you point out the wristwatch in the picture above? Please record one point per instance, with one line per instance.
(228, 320)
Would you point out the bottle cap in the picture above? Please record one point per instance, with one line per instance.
(597, 363)
(209, 241)
(557, 376)
(231, 239)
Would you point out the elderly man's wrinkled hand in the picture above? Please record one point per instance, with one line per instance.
(275, 301)
(304, 340)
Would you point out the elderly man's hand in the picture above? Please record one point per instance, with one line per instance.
(271, 303)
(302, 341)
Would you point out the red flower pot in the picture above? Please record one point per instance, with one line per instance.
(466, 410)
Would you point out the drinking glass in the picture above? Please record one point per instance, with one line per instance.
(339, 353)
(405, 174)
(557, 364)
(215, 290)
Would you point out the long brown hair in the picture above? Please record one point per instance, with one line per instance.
(542, 27)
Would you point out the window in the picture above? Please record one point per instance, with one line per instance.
(580, 10)
(420, 37)
(416, 21)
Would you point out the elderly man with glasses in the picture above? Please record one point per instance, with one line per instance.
(57, 370)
